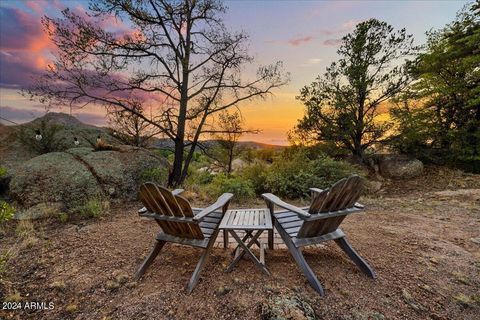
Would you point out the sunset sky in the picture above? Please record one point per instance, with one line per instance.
(302, 34)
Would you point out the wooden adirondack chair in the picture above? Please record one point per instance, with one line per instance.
(299, 228)
(180, 223)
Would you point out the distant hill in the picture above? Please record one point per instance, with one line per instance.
(13, 151)
(167, 143)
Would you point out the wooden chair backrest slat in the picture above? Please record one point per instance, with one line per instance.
(161, 201)
(153, 203)
(334, 196)
(176, 210)
(317, 202)
(342, 195)
(187, 211)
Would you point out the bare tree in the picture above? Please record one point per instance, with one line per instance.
(131, 128)
(178, 56)
(230, 128)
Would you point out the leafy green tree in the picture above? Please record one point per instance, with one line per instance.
(342, 106)
(447, 84)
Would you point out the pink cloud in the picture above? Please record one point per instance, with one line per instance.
(26, 50)
(24, 46)
(300, 41)
(347, 26)
(332, 42)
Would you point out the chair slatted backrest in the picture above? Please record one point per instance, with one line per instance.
(342, 195)
(161, 201)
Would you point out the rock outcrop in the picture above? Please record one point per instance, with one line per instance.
(77, 174)
(14, 150)
(399, 166)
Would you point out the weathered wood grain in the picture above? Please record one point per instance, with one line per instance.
(180, 223)
(327, 211)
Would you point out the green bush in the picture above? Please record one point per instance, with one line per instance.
(6, 211)
(200, 177)
(257, 175)
(62, 217)
(93, 208)
(3, 172)
(240, 187)
(292, 177)
(157, 175)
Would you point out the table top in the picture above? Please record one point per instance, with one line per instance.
(247, 219)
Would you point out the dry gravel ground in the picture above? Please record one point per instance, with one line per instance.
(424, 246)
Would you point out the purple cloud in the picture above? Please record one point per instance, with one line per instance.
(23, 48)
(332, 42)
(20, 115)
(295, 42)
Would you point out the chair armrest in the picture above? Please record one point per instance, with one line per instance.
(270, 198)
(222, 201)
(283, 211)
(359, 205)
(316, 190)
(176, 192)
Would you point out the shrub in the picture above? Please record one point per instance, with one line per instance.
(4, 180)
(200, 178)
(93, 208)
(257, 175)
(3, 172)
(4, 257)
(292, 177)
(241, 188)
(62, 217)
(6, 211)
(156, 175)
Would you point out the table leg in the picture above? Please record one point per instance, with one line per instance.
(246, 249)
(270, 239)
(239, 252)
(225, 239)
(248, 234)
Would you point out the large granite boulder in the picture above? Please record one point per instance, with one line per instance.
(75, 175)
(399, 166)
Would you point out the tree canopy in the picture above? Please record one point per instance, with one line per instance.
(342, 105)
(444, 121)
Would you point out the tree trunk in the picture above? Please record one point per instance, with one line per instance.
(175, 177)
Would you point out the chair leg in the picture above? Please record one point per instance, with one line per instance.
(149, 259)
(307, 271)
(359, 261)
(301, 262)
(198, 269)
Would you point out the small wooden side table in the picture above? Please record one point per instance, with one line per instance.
(248, 220)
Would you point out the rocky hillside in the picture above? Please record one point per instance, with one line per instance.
(17, 143)
(68, 174)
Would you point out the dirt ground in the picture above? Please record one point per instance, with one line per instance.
(422, 237)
